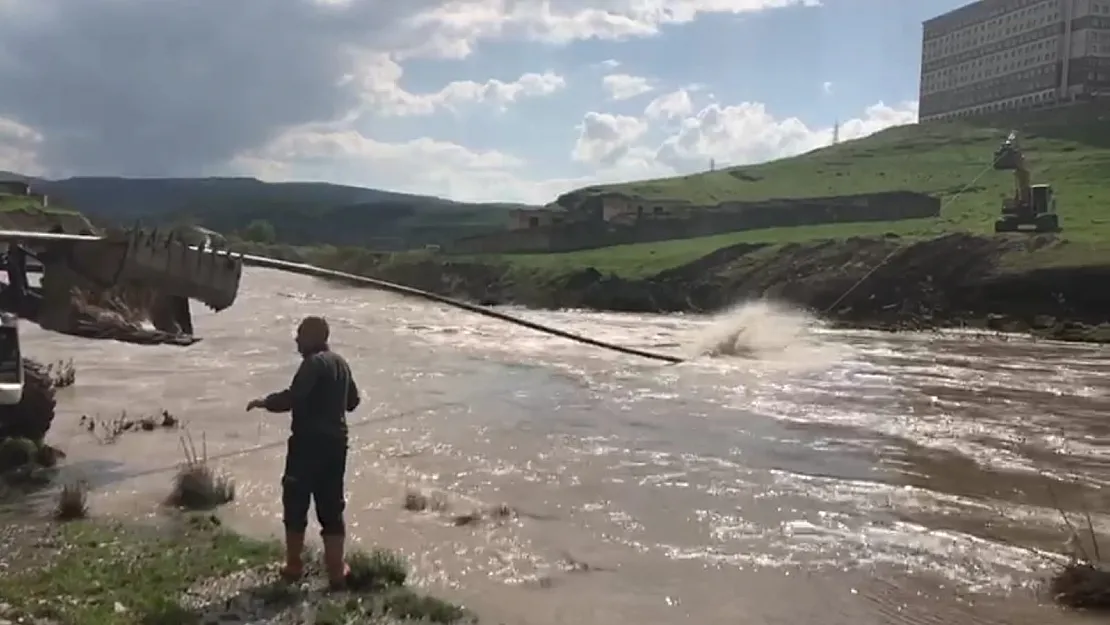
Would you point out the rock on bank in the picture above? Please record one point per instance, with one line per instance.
(1020, 283)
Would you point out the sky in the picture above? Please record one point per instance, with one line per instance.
(476, 100)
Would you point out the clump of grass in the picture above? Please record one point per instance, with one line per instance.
(16, 453)
(62, 374)
(108, 431)
(393, 604)
(25, 465)
(48, 456)
(1084, 582)
(197, 486)
(500, 512)
(72, 502)
(377, 570)
(408, 605)
(417, 501)
(1082, 586)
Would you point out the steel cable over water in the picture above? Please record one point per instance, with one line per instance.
(320, 272)
(391, 287)
(383, 285)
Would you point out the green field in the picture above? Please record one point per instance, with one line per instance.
(644, 259)
(1069, 149)
(9, 203)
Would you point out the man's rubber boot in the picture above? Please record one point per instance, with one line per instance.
(294, 557)
(334, 562)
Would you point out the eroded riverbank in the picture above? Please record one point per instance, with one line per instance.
(1029, 284)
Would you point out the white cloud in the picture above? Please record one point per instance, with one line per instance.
(422, 165)
(669, 106)
(616, 148)
(749, 133)
(625, 86)
(379, 76)
(604, 138)
(455, 26)
(18, 148)
(608, 64)
(827, 87)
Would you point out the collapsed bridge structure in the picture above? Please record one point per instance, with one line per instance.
(110, 286)
(129, 285)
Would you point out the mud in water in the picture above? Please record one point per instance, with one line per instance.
(877, 479)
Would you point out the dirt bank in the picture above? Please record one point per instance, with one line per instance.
(1037, 284)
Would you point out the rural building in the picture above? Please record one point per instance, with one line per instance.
(999, 55)
(609, 219)
(527, 218)
(622, 209)
(14, 187)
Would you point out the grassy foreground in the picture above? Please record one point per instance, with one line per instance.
(108, 573)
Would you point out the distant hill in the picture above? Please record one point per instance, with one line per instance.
(301, 213)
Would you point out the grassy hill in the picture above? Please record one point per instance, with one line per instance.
(301, 213)
(1069, 149)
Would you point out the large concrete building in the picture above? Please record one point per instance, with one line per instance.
(996, 55)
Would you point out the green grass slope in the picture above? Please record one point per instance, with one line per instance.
(19, 212)
(1069, 149)
(9, 203)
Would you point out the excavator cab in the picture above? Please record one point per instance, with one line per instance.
(1036, 215)
(11, 361)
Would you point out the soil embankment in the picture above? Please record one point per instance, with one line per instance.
(1007, 283)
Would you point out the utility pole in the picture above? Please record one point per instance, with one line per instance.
(836, 133)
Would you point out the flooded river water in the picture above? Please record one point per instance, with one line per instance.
(830, 478)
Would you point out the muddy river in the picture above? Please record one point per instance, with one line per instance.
(831, 477)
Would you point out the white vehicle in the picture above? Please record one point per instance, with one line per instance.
(11, 361)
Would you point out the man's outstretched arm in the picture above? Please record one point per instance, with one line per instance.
(353, 399)
(299, 388)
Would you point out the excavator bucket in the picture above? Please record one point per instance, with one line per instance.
(1007, 157)
(151, 259)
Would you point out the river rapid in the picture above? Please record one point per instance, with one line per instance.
(798, 475)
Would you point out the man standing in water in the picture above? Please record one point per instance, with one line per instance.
(323, 391)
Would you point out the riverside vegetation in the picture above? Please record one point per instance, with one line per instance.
(184, 568)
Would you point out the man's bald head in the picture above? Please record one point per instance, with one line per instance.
(312, 334)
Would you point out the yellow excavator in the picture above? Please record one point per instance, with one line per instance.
(1033, 207)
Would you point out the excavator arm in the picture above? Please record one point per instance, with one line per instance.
(1009, 157)
(108, 286)
(1023, 191)
(1032, 206)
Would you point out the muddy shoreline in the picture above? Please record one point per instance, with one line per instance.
(1007, 284)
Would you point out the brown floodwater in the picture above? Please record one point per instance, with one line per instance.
(832, 477)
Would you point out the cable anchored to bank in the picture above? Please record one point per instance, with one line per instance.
(886, 259)
(391, 287)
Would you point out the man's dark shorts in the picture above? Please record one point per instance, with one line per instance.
(315, 471)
